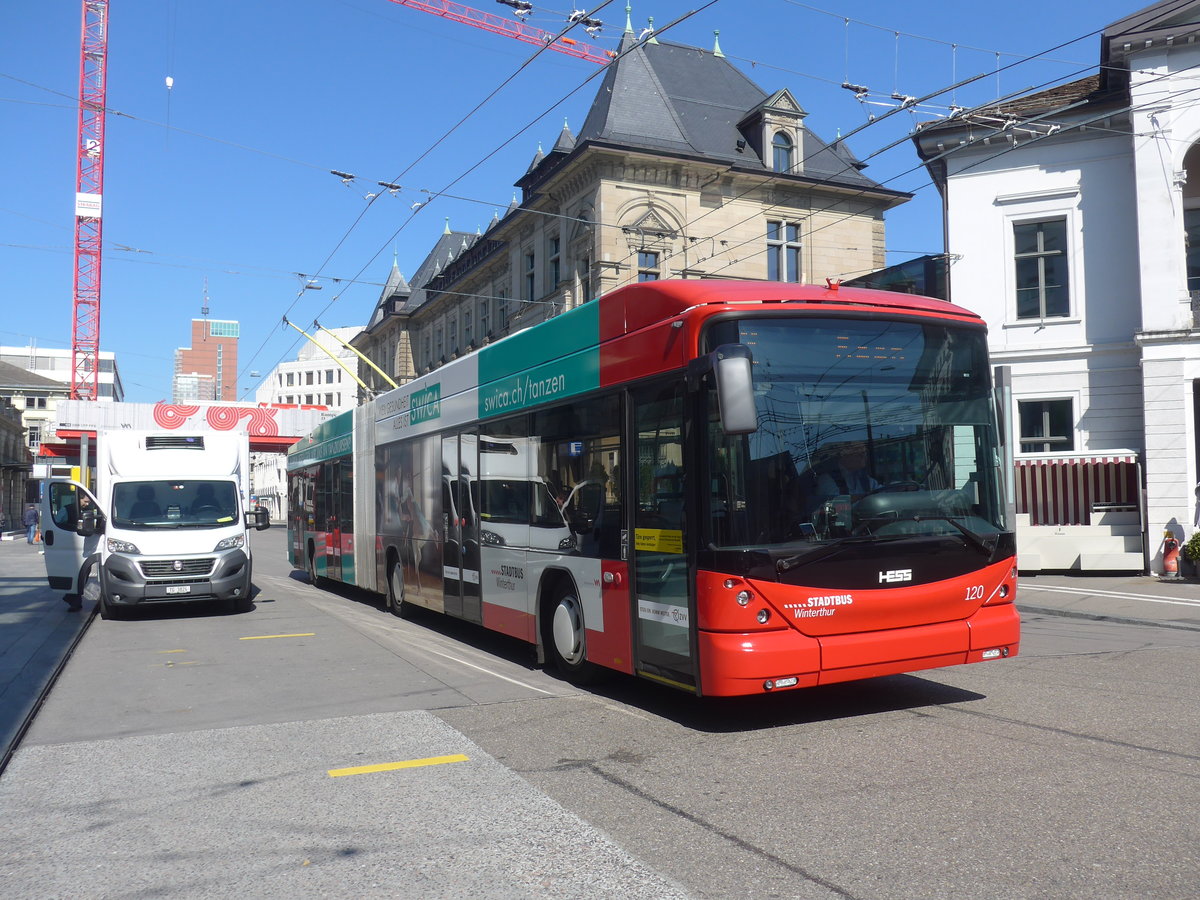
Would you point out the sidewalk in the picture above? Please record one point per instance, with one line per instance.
(37, 632)
(1141, 599)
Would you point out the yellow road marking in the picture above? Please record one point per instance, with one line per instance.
(390, 767)
(267, 637)
(172, 651)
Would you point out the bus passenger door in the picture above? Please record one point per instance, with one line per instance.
(333, 526)
(452, 528)
(467, 499)
(663, 606)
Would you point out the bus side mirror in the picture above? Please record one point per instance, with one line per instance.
(735, 388)
(262, 518)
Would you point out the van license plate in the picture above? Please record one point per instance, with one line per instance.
(179, 588)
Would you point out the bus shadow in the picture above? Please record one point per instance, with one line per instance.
(720, 715)
(510, 649)
(717, 715)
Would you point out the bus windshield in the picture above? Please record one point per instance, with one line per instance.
(869, 430)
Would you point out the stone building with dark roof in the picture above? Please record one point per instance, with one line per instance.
(683, 167)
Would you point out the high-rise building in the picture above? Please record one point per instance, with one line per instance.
(214, 353)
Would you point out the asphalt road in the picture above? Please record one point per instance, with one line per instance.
(198, 754)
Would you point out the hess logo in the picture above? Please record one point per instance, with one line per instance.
(892, 576)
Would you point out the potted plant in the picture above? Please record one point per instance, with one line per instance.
(1191, 555)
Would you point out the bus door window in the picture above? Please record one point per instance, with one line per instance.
(662, 600)
(579, 462)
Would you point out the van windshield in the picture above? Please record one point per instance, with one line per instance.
(174, 504)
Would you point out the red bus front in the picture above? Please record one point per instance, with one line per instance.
(854, 526)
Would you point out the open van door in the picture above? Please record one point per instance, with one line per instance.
(71, 545)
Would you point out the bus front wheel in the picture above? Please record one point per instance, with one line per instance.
(564, 636)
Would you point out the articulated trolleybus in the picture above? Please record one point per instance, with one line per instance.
(726, 487)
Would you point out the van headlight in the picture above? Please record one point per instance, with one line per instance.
(116, 546)
(230, 543)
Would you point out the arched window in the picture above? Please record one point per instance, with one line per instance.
(782, 146)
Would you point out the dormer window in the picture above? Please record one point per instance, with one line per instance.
(781, 146)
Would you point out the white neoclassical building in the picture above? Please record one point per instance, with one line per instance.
(1073, 216)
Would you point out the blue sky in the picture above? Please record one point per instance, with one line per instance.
(225, 177)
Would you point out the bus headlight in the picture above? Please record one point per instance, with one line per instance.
(491, 538)
(230, 543)
(116, 546)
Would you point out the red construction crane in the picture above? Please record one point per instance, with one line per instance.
(456, 12)
(89, 192)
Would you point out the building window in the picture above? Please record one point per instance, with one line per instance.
(439, 343)
(554, 270)
(483, 318)
(308, 377)
(530, 272)
(452, 334)
(329, 399)
(1041, 256)
(781, 147)
(467, 335)
(428, 348)
(35, 436)
(329, 376)
(501, 309)
(783, 251)
(290, 376)
(1047, 426)
(647, 262)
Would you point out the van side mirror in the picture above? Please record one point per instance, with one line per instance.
(91, 522)
(262, 518)
(734, 378)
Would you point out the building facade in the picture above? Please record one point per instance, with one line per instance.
(35, 379)
(1074, 214)
(684, 168)
(210, 364)
(320, 375)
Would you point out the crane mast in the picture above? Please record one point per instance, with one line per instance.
(89, 192)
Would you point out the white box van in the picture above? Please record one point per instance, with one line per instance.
(168, 521)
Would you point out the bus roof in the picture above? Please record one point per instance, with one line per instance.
(636, 306)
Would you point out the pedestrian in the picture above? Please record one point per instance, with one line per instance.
(30, 521)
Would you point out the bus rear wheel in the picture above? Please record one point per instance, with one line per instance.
(312, 567)
(396, 603)
(564, 636)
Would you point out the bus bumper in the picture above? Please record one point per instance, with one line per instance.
(758, 662)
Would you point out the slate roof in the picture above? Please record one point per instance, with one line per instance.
(449, 247)
(1168, 19)
(12, 377)
(679, 99)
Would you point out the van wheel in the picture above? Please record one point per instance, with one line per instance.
(107, 610)
(564, 637)
(396, 603)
